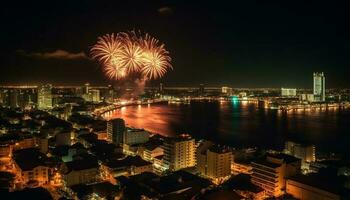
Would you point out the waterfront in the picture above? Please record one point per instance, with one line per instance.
(242, 124)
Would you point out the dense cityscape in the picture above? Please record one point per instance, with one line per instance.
(175, 100)
(56, 141)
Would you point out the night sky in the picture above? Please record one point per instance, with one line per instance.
(242, 44)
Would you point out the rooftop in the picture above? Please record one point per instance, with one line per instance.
(285, 157)
(178, 185)
(266, 163)
(127, 162)
(242, 182)
(29, 193)
(179, 138)
(221, 194)
(218, 149)
(28, 159)
(152, 144)
(331, 184)
(84, 162)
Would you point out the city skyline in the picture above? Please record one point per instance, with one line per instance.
(170, 99)
(246, 44)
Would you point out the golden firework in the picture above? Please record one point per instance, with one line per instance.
(125, 53)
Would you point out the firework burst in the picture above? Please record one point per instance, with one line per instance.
(131, 56)
(156, 58)
(123, 54)
(108, 47)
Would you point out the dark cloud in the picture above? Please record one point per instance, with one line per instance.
(57, 54)
(165, 10)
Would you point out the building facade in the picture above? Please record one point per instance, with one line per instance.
(45, 97)
(301, 190)
(116, 130)
(272, 172)
(135, 136)
(288, 92)
(213, 161)
(218, 162)
(319, 86)
(307, 153)
(179, 153)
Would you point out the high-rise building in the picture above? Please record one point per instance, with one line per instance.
(115, 130)
(218, 162)
(319, 86)
(201, 89)
(45, 96)
(95, 95)
(161, 88)
(213, 161)
(288, 92)
(110, 94)
(271, 173)
(201, 156)
(179, 152)
(306, 153)
(13, 98)
(86, 88)
(4, 97)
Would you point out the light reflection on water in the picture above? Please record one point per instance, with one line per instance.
(242, 123)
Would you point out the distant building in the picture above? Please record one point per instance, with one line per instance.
(3, 97)
(201, 89)
(161, 88)
(109, 96)
(95, 95)
(179, 152)
(86, 88)
(226, 90)
(135, 136)
(116, 130)
(242, 94)
(272, 172)
(306, 153)
(87, 97)
(91, 95)
(45, 97)
(288, 92)
(13, 95)
(307, 97)
(18, 98)
(319, 86)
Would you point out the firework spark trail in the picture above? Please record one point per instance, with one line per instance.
(123, 54)
(107, 48)
(131, 57)
(155, 57)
